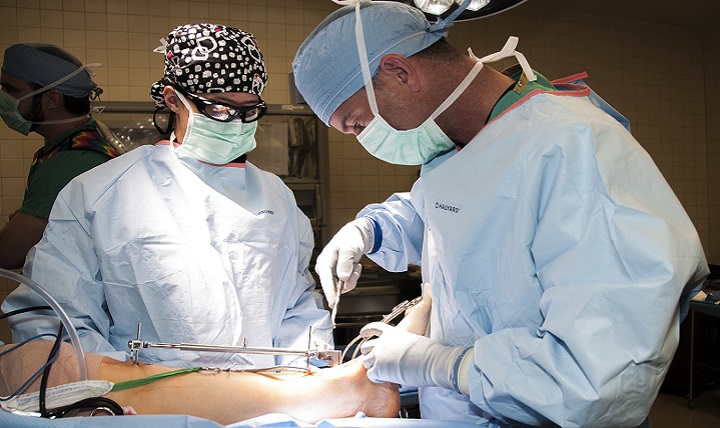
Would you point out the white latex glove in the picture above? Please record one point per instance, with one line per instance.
(416, 319)
(412, 360)
(341, 256)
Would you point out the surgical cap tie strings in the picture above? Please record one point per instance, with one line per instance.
(364, 64)
(63, 79)
(443, 24)
(56, 83)
(507, 51)
(162, 49)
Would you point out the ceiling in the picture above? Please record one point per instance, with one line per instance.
(682, 13)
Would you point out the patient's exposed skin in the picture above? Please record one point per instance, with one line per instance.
(219, 396)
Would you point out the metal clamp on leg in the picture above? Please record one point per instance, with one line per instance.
(331, 356)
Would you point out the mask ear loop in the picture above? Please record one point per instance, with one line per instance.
(458, 90)
(191, 113)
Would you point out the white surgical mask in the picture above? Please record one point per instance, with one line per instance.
(403, 147)
(10, 113)
(216, 142)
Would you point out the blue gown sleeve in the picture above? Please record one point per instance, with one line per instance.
(307, 309)
(64, 264)
(400, 227)
(614, 253)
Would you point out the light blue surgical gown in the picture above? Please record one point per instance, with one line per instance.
(194, 252)
(554, 246)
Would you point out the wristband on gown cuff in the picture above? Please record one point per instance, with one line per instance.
(460, 379)
(377, 235)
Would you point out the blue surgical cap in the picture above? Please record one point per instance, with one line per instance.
(45, 64)
(327, 66)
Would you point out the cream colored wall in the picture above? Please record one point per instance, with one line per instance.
(654, 74)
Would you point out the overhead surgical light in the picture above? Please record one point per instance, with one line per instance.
(438, 7)
(435, 9)
(441, 9)
(475, 4)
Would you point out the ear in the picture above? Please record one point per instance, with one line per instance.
(53, 99)
(172, 100)
(400, 69)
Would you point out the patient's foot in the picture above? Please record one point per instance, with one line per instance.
(381, 400)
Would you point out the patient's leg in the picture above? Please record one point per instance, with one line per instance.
(223, 397)
(17, 366)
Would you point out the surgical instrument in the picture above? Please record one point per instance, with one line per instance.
(338, 289)
(400, 308)
(330, 355)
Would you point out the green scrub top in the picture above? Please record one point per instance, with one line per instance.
(55, 172)
(520, 89)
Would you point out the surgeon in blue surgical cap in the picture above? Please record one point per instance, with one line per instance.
(185, 237)
(559, 259)
(46, 90)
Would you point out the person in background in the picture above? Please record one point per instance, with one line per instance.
(184, 237)
(559, 259)
(46, 90)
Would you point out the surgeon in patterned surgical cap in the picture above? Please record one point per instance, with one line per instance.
(184, 237)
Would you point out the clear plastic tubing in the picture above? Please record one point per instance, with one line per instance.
(74, 338)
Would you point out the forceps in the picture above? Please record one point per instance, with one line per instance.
(338, 289)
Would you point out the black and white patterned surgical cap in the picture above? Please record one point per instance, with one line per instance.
(208, 58)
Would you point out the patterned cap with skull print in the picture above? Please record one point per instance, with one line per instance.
(208, 58)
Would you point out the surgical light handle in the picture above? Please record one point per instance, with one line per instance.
(72, 333)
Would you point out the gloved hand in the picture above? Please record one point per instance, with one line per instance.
(416, 318)
(341, 256)
(412, 360)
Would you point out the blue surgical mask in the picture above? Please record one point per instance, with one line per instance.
(216, 142)
(10, 113)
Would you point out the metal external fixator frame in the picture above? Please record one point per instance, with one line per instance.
(330, 355)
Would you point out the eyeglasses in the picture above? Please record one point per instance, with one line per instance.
(224, 112)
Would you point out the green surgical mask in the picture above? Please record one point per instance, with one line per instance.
(11, 115)
(216, 142)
